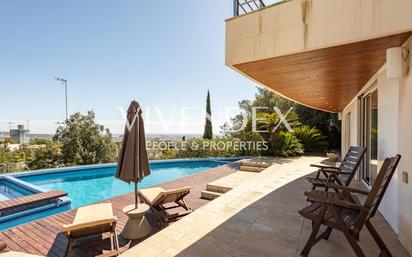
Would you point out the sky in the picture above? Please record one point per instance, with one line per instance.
(164, 54)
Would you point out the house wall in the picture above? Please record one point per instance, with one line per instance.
(394, 136)
(405, 148)
(388, 105)
(303, 25)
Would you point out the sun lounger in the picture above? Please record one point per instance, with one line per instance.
(92, 220)
(161, 201)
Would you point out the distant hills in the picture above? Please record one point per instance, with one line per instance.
(148, 136)
(118, 136)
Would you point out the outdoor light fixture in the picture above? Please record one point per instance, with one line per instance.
(64, 81)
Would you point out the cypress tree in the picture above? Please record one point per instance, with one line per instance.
(208, 134)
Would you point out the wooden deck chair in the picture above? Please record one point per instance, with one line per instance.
(341, 175)
(161, 201)
(92, 220)
(343, 211)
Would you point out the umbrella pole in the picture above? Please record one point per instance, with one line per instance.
(136, 201)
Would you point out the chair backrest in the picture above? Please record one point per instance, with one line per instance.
(378, 189)
(174, 195)
(350, 163)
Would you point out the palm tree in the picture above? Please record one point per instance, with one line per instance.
(273, 125)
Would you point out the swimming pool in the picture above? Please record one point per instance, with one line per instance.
(90, 184)
(9, 190)
(96, 184)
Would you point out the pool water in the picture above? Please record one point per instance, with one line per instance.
(9, 190)
(97, 184)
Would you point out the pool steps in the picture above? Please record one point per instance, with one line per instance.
(217, 188)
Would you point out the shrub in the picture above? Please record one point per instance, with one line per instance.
(289, 145)
(201, 148)
(193, 148)
(311, 138)
(47, 155)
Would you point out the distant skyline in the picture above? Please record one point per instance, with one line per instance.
(164, 54)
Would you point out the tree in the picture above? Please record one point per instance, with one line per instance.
(273, 126)
(45, 155)
(208, 133)
(327, 123)
(85, 142)
(10, 159)
(39, 141)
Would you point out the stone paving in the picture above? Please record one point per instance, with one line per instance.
(258, 218)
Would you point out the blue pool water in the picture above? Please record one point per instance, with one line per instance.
(88, 186)
(9, 190)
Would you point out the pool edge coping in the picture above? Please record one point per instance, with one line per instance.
(112, 164)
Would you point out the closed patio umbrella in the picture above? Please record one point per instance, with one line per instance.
(133, 164)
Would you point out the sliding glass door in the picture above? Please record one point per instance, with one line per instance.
(369, 135)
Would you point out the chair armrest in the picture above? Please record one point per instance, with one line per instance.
(333, 201)
(324, 167)
(347, 189)
(336, 172)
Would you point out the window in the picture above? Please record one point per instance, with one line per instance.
(347, 131)
(369, 135)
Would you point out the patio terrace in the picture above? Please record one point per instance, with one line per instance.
(257, 218)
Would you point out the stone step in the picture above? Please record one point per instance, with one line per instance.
(251, 169)
(217, 188)
(209, 195)
(251, 163)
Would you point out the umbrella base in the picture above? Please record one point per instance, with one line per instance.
(136, 226)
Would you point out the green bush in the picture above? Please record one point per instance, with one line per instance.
(289, 145)
(201, 148)
(83, 141)
(194, 148)
(311, 138)
(10, 160)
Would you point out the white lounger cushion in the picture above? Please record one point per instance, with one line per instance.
(90, 216)
(152, 195)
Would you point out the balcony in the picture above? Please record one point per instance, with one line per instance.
(319, 53)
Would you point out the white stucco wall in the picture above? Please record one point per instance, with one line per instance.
(405, 148)
(353, 126)
(302, 25)
(388, 114)
(394, 136)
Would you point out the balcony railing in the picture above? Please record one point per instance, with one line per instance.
(246, 6)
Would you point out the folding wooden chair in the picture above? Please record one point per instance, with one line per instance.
(341, 210)
(341, 175)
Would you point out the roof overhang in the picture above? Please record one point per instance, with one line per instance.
(326, 79)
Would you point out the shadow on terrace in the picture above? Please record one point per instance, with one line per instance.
(272, 226)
